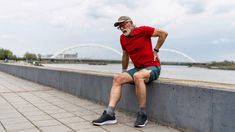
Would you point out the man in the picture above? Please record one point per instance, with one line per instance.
(136, 44)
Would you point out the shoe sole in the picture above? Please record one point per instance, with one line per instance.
(142, 125)
(105, 123)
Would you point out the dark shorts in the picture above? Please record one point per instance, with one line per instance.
(154, 74)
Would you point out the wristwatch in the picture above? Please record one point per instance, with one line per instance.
(157, 50)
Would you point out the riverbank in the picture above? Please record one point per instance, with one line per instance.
(167, 71)
(225, 65)
(216, 67)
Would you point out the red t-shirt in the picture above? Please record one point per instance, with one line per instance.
(139, 47)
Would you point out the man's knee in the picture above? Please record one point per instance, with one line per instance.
(138, 77)
(118, 78)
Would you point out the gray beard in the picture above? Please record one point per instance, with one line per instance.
(128, 32)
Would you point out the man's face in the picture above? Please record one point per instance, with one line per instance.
(126, 28)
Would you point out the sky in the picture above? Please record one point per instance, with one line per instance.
(202, 29)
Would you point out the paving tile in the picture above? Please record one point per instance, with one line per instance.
(18, 106)
(28, 130)
(98, 111)
(62, 115)
(54, 111)
(6, 106)
(149, 124)
(94, 106)
(22, 103)
(90, 117)
(27, 109)
(8, 111)
(32, 113)
(160, 129)
(40, 106)
(81, 102)
(45, 123)
(1, 128)
(137, 130)
(80, 125)
(68, 107)
(49, 107)
(83, 113)
(125, 119)
(79, 109)
(9, 121)
(39, 117)
(57, 111)
(118, 128)
(12, 115)
(60, 128)
(18, 126)
(97, 129)
(2, 100)
(54, 100)
(4, 91)
(71, 120)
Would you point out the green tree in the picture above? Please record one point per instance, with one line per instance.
(39, 57)
(14, 57)
(5, 54)
(30, 56)
(1, 54)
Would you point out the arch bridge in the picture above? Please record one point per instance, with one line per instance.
(116, 51)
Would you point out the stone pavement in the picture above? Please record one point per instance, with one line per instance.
(29, 107)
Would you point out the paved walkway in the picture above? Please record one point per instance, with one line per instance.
(29, 107)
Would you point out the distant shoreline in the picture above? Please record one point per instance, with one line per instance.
(218, 67)
(222, 68)
(225, 65)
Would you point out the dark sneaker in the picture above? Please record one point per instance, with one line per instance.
(141, 120)
(105, 119)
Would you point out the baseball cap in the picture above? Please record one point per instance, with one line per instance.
(122, 19)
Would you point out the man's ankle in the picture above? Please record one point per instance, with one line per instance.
(143, 110)
(110, 110)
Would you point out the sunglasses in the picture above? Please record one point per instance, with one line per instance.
(122, 25)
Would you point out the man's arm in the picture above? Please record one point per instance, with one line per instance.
(125, 60)
(162, 37)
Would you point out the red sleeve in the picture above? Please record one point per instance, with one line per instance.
(148, 30)
(121, 42)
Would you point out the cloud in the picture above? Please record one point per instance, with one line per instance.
(86, 15)
(222, 41)
(5, 37)
(218, 7)
(226, 56)
(59, 24)
(83, 12)
(194, 6)
(78, 12)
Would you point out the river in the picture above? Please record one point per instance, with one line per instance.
(178, 72)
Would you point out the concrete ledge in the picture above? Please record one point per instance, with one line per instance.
(191, 105)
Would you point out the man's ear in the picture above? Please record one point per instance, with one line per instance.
(132, 23)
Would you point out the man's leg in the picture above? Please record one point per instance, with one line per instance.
(108, 116)
(140, 78)
(116, 90)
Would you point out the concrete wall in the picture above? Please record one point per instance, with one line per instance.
(191, 107)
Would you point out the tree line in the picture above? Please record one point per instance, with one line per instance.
(6, 54)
